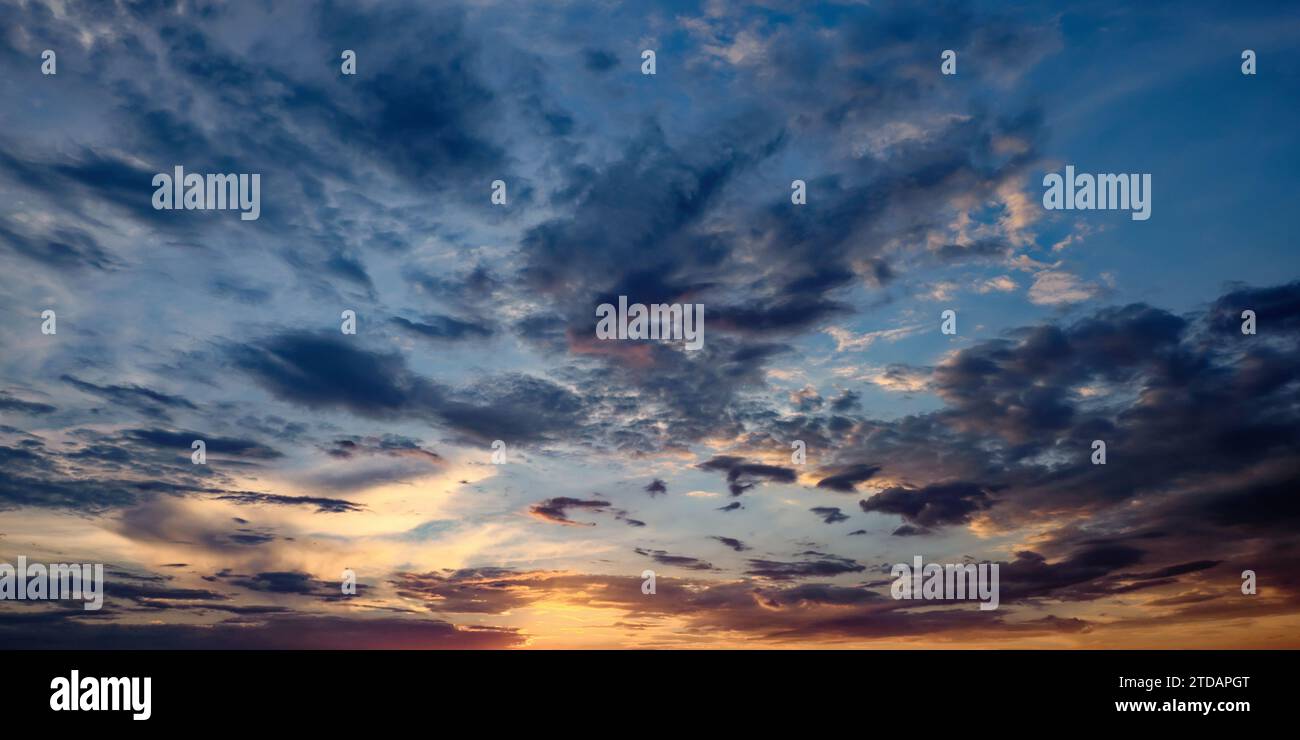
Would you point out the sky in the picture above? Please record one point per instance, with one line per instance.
(372, 452)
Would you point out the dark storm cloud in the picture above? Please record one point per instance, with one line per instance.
(425, 110)
(1211, 483)
(85, 495)
(515, 407)
(288, 632)
(847, 401)
(830, 514)
(742, 475)
(121, 469)
(1277, 309)
(659, 195)
(732, 542)
(400, 126)
(797, 265)
(323, 505)
(932, 506)
(1081, 575)
(170, 441)
(679, 561)
(322, 371)
(557, 509)
(1021, 388)
(817, 594)
(154, 592)
(1176, 570)
(145, 400)
(786, 315)
(78, 179)
(9, 403)
(979, 249)
(817, 249)
(286, 582)
(443, 328)
(1023, 392)
(813, 564)
(1011, 399)
(846, 479)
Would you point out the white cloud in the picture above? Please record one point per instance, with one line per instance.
(1055, 288)
(897, 378)
(999, 284)
(941, 291)
(847, 340)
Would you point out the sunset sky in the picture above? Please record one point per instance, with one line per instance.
(476, 322)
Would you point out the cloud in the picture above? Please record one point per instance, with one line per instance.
(438, 327)
(556, 509)
(9, 403)
(732, 542)
(999, 284)
(1055, 288)
(932, 506)
(323, 505)
(60, 248)
(163, 439)
(292, 632)
(468, 590)
(813, 565)
(148, 402)
(829, 514)
(742, 475)
(321, 371)
(847, 478)
(677, 561)
(1278, 306)
(388, 445)
(848, 341)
